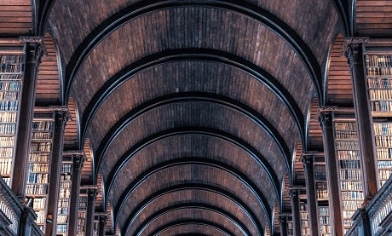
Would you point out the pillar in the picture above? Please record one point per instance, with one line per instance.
(55, 169)
(295, 206)
(33, 57)
(307, 161)
(91, 197)
(78, 158)
(332, 173)
(354, 54)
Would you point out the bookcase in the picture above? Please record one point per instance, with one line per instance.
(320, 178)
(11, 76)
(82, 214)
(290, 227)
(305, 230)
(64, 197)
(379, 81)
(349, 168)
(39, 164)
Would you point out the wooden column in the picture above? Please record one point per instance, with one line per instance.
(354, 53)
(332, 173)
(295, 206)
(102, 224)
(283, 225)
(60, 116)
(26, 221)
(78, 158)
(308, 162)
(91, 197)
(33, 56)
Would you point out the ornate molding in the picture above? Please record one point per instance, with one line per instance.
(31, 39)
(353, 42)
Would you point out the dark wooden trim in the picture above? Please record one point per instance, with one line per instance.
(202, 206)
(195, 186)
(45, 7)
(342, 9)
(250, 10)
(190, 97)
(180, 222)
(251, 151)
(192, 54)
(187, 161)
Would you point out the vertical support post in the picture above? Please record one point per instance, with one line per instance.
(55, 170)
(102, 224)
(332, 174)
(354, 54)
(26, 221)
(33, 57)
(91, 197)
(295, 205)
(75, 188)
(283, 225)
(307, 162)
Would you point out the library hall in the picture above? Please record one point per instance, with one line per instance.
(195, 118)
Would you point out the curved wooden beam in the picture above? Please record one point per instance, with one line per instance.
(188, 161)
(194, 186)
(258, 119)
(200, 206)
(43, 15)
(195, 55)
(181, 222)
(251, 151)
(250, 10)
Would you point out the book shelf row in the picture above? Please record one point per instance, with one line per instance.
(9, 105)
(40, 146)
(8, 117)
(378, 60)
(5, 166)
(350, 174)
(38, 167)
(348, 154)
(347, 145)
(9, 95)
(42, 126)
(345, 134)
(355, 195)
(36, 189)
(36, 157)
(7, 128)
(383, 128)
(39, 203)
(11, 67)
(379, 83)
(351, 185)
(349, 164)
(39, 178)
(383, 141)
(6, 59)
(380, 94)
(10, 85)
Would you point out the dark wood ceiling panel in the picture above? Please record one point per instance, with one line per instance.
(192, 176)
(16, 17)
(373, 18)
(228, 125)
(317, 30)
(216, 218)
(212, 78)
(48, 80)
(187, 149)
(194, 197)
(339, 89)
(217, 29)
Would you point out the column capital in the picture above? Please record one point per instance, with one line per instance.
(352, 48)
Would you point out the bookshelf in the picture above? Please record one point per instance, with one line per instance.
(290, 227)
(379, 82)
(82, 214)
(305, 230)
(39, 165)
(11, 75)
(64, 198)
(349, 169)
(322, 199)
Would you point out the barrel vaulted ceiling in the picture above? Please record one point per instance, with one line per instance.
(193, 111)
